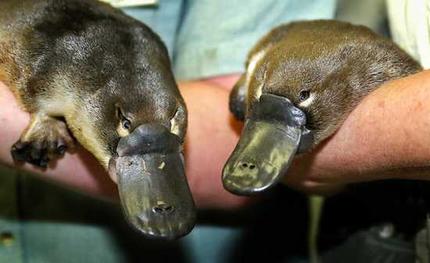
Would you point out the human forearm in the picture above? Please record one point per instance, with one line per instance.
(386, 136)
(211, 136)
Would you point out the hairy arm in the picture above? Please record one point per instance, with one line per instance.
(386, 136)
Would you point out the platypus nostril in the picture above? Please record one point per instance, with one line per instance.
(163, 208)
(246, 165)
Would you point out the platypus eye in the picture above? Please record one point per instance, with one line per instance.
(304, 95)
(126, 124)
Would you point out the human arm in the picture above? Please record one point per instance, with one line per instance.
(209, 139)
(386, 136)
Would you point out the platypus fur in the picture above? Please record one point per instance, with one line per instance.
(85, 70)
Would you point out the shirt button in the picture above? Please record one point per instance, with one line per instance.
(6, 238)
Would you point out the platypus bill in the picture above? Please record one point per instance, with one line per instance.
(83, 68)
(301, 81)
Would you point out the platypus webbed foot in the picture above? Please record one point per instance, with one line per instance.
(45, 139)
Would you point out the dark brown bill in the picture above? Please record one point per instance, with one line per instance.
(268, 143)
(152, 185)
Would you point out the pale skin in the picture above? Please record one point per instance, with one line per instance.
(386, 136)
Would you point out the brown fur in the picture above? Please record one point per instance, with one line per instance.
(9, 72)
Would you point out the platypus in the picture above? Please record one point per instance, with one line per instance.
(86, 71)
(302, 80)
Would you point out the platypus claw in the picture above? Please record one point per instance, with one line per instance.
(26, 152)
(36, 153)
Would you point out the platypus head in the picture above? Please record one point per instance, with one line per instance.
(302, 80)
(296, 97)
(147, 163)
(135, 125)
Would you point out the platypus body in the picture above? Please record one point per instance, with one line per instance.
(301, 82)
(85, 70)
